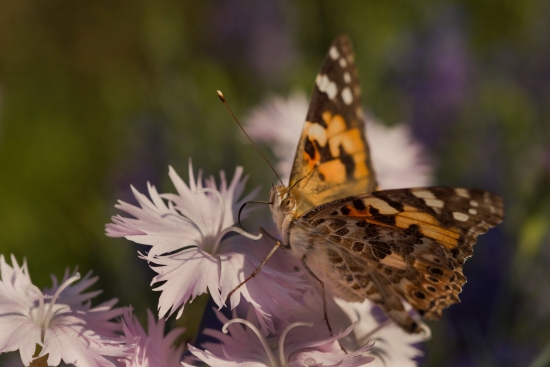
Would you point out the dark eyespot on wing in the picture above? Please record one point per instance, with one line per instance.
(386, 219)
(348, 162)
(345, 210)
(309, 149)
(358, 204)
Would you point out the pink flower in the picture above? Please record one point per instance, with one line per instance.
(390, 345)
(398, 161)
(61, 320)
(248, 347)
(153, 349)
(192, 254)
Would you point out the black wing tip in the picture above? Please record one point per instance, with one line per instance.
(342, 38)
(343, 42)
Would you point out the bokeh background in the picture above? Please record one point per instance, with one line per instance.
(98, 95)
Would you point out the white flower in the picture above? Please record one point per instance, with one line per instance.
(191, 253)
(61, 321)
(248, 347)
(390, 345)
(398, 161)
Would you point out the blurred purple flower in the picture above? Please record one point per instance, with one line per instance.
(438, 73)
(253, 38)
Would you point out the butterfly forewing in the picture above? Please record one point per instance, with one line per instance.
(401, 244)
(332, 159)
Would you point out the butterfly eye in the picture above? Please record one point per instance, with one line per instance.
(288, 204)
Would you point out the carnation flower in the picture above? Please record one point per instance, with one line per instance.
(390, 345)
(153, 349)
(247, 346)
(59, 320)
(398, 161)
(192, 254)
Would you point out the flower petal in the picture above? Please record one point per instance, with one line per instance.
(71, 342)
(153, 348)
(186, 275)
(214, 361)
(272, 288)
(393, 346)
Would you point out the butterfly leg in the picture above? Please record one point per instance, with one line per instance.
(325, 315)
(277, 245)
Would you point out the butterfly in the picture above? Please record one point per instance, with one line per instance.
(386, 246)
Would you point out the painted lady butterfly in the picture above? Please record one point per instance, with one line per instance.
(387, 246)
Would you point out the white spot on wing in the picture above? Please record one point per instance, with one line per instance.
(333, 52)
(462, 192)
(434, 203)
(347, 77)
(461, 216)
(322, 80)
(423, 194)
(332, 90)
(325, 85)
(319, 133)
(382, 206)
(472, 211)
(474, 203)
(343, 62)
(347, 96)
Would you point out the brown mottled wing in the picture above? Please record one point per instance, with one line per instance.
(402, 244)
(333, 136)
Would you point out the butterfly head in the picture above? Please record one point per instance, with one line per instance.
(283, 207)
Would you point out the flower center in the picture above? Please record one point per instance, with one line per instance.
(267, 348)
(44, 319)
(218, 235)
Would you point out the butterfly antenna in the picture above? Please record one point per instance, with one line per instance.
(245, 204)
(222, 98)
(306, 176)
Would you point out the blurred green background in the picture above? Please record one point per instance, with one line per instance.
(98, 95)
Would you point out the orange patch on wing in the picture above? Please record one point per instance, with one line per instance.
(361, 169)
(334, 171)
(444, 236)
(350, 140)
(335, 124)
(420, 217)
(382, 206)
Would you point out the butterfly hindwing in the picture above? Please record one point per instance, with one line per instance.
(333, 155)
(406, 244)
